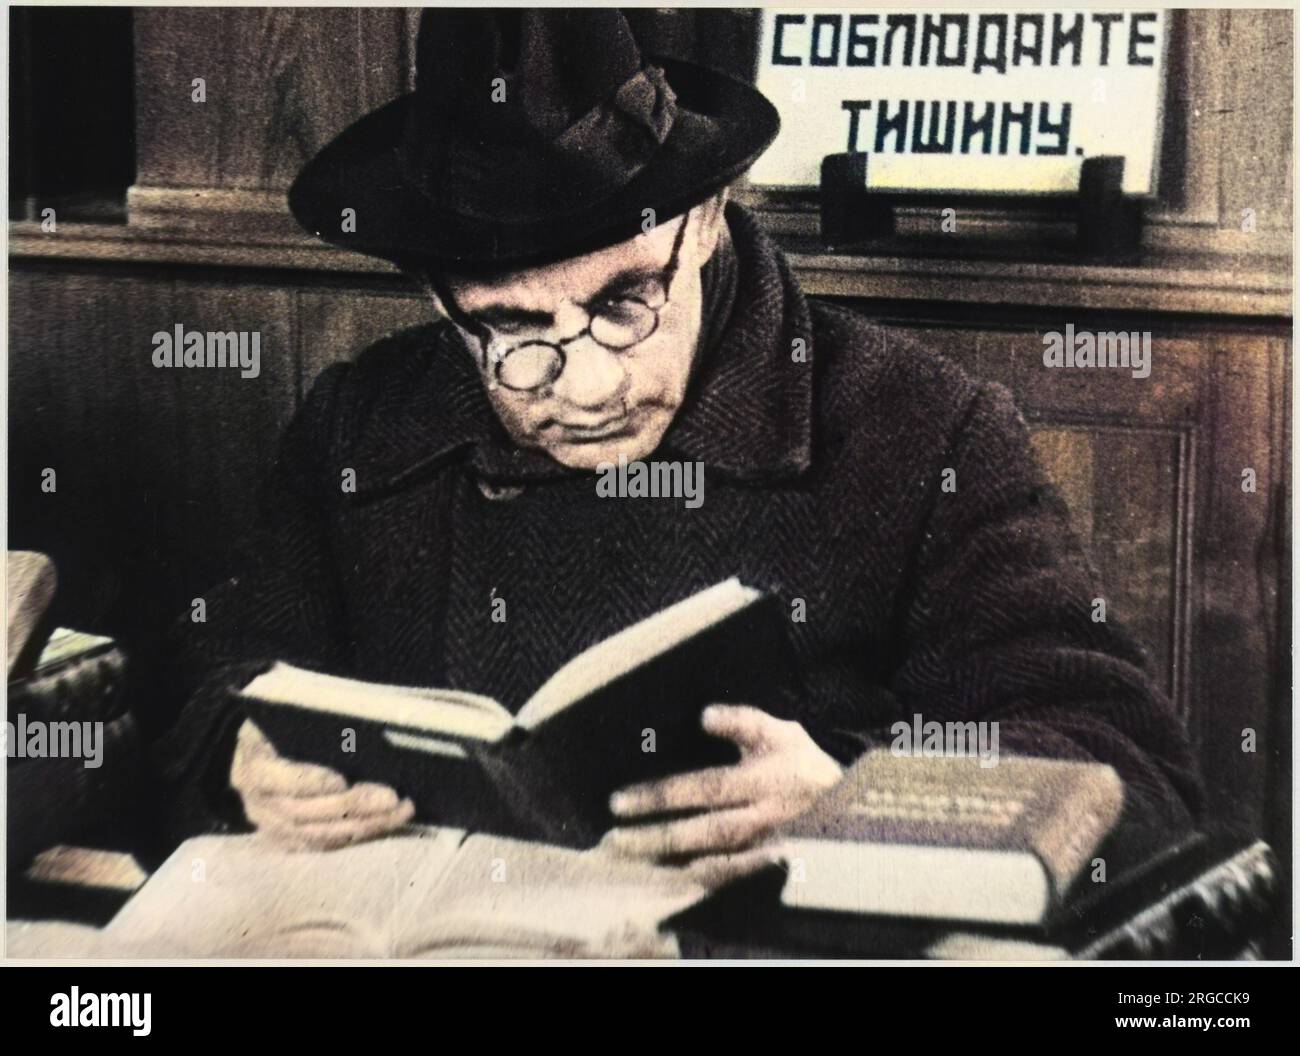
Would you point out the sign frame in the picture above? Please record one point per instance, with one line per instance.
(1173, 23)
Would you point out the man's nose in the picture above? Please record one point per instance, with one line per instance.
(593, 376)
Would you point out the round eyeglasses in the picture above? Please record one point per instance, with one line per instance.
(614, 322)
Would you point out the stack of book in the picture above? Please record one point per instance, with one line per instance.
(907, 857)
(72, 744)
(943, 858)
(77, 676)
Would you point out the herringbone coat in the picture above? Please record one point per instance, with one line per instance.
(823, 470)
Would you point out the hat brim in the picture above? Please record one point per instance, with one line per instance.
(361, 170)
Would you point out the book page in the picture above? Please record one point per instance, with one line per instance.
(633, 646)
(54, 939)
(448, 711)
(66, 644)
(238, 896)
(29, 588)
(430, 893)
(87, 867)
(512, 898)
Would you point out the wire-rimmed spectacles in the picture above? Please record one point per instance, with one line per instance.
(615, 323)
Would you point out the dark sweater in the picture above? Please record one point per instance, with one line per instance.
(822, 483)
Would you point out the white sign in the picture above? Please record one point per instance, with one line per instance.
(975, 101)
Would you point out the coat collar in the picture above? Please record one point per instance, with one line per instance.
(747, 414)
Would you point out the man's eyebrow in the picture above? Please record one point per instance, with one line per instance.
(623, 280)
(506, 315)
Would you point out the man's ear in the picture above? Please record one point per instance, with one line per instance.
(426, 283)
(438, 306)
(712, 222)
(422, 279)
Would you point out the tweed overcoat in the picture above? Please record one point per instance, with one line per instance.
(825, 443)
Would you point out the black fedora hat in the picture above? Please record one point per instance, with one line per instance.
(531, 135)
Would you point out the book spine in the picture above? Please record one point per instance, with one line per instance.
(87, 689)
(531, 793)
(1082, 813)
(57, 800)
(1236, 898)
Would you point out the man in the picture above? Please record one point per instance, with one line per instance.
(564, 201)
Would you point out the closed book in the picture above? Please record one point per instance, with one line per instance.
(54, 799)
(30, 584)
(1189, 896)
(78, 676)
(74, 747)
(950, 838)
(626, 710)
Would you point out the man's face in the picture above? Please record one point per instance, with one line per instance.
(616, 391)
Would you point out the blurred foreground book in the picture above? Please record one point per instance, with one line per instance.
(428, 893)
(73, 746)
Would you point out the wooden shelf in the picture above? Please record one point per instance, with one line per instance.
(1165, 283)
(1228, 284)
(137, 244)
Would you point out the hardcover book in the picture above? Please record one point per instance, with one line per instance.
(1190, 896)
(948, 838)
(30, 583)
(623, 711)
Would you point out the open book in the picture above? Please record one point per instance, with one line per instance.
(625, 710)
(423, 893)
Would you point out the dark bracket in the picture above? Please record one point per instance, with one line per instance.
(1109, 222)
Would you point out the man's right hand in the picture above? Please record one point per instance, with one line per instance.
(303, 806)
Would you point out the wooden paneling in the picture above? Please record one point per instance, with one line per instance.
(1122, 486)
(1256, 148)
(334, 328)
(280, 83)
(1239, 564)
(1189, 169)
(156, 468)
(1152, 470)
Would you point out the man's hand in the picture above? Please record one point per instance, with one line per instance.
(302, 806)
(781, 770)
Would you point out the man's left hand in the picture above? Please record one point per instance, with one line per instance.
(781, 771)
